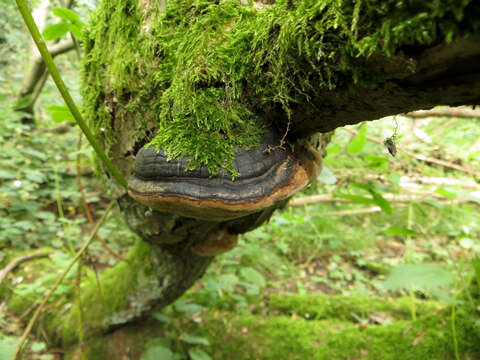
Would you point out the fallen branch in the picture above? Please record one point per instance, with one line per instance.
(315, 199)
(14, 263)
(421, 157)
(59, 281)
(374, 209)
(447, 112)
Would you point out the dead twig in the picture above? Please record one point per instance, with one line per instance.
(315, 199)
(58, 282)
(14, 263)
(86, 207)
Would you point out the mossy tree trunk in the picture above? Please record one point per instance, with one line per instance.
(196, 77)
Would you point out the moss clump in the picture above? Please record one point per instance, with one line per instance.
(206, 75)
(125, 291)
(348, 308)
(278, 337)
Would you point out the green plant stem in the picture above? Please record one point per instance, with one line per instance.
(47, 58)
(454, 331)
(61, 215)
(58, 282)
(413, 309)
(80, 310)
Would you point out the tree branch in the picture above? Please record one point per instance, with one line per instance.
(14, 263)
(444, 74)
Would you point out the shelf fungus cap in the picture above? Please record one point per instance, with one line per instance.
(268, 174)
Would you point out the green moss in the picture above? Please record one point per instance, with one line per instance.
(252, 337)
(207, 75)
(348, 308)
(122, 297)
(286, 337)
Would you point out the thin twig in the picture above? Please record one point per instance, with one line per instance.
(87, 208)
(14, 263)
(58, 282)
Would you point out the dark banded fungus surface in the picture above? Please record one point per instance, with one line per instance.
(268, 174)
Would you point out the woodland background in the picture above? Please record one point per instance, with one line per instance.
(377, 241)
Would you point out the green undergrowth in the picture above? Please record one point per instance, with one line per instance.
(38, 278)
(250, 337)
(102, 302)
(328, 331)
(205, 76)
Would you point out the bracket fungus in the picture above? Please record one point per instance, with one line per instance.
(269, 174)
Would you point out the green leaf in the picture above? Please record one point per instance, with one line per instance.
(60, 113)
(7, 175)
(162, 318)
(35, 176)
(253, 276)
(75, 29)
(158, 352)
(38, 346)
(359, 141)
(476, 268)
(7, 346)
(382, 202)
(55, 31)
(376, 162)
(333, 149)
(198, 354)
(251, 289)
(32, 152)
(194, 340)
(327, 176)
(418, 276)
(365, 186)
(66, 14)
(398, 230)
(187, 308)
(445, 193)
(356, 198)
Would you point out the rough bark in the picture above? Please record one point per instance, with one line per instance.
(444, 74)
